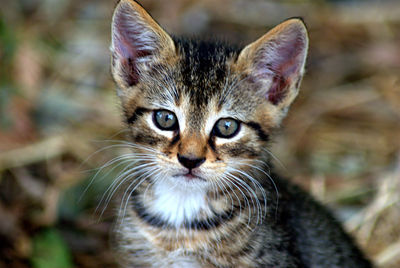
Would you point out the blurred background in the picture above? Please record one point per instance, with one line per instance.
(341, 139)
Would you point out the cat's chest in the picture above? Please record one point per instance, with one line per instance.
(177, 206)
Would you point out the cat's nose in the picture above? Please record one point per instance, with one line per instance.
(190, 162)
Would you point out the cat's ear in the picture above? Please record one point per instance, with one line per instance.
(275, 62)
(138, 42)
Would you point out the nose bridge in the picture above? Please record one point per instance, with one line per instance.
(193, 142)
(192, 145)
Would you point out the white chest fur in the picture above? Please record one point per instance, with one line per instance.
(176, 202)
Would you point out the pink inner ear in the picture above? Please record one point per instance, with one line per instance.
(283, 60)
(278, 91)
(131, 41)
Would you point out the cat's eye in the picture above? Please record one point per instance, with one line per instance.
(226, 128)
(165, 120)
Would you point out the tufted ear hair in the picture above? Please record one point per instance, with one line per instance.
(138, 42)
(275, 62)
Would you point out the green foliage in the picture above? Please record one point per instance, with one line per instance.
(50, 251)
(8, 42)
(8, 46)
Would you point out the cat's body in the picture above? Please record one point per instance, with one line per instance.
(199, 192)
(296, 232)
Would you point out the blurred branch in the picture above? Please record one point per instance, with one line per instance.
(388, 255)
(36, 152)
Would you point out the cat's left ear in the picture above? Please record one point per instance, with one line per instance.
(138, 43)
(275, 62)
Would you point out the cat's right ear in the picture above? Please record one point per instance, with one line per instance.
(275, 62)
(138, 42)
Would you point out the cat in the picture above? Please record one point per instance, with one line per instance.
(199, 191)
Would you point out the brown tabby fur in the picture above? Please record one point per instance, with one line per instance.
(247, 216)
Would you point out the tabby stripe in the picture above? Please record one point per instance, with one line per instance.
(260, 132)
(136, 114)
(175, 139)
(211, 142)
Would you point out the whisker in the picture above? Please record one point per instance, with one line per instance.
(256, 184)
(123, 158)
(233, 180)
(122, 178)
(271, 180)
(253, 196)
(225, 192)
(145, 176)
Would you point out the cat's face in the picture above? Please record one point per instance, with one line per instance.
(200, 114)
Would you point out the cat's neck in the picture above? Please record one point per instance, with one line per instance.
(165, 204)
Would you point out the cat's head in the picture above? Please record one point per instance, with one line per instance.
(199, 112)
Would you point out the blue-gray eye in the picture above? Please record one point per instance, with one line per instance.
(226, 128)
(165, 120)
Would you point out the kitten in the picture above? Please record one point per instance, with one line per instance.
(199, 192)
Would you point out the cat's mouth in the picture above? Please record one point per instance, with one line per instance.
(189, 176)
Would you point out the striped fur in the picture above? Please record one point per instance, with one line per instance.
(231, 210)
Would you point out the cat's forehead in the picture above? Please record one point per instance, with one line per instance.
(203, 69)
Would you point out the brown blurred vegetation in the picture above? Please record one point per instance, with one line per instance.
(341, 139)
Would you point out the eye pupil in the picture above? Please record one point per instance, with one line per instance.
(169, 117)
(227, 125)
